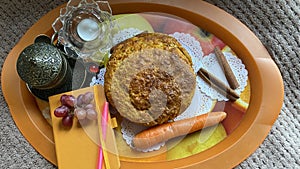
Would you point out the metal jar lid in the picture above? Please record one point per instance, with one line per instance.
(41, 66)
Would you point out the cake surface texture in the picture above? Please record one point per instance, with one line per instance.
(149, 79)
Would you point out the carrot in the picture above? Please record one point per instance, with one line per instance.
(164, 132)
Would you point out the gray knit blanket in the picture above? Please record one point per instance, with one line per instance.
(275, 22)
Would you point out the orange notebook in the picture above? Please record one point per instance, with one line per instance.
(78, 146)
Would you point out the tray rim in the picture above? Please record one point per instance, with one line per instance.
(263, 74)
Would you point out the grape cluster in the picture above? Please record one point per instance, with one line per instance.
(81, 107)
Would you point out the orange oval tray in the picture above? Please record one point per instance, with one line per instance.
(266, 85)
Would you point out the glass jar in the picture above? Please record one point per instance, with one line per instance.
(84, 29)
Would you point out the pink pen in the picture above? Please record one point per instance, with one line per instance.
(104, 121)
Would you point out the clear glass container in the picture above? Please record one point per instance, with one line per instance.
(84, 29)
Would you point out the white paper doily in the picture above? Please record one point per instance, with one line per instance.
(99, 78)
(211, 64)
(192, 46)
(125, 34)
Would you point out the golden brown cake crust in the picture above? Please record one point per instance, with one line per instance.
(149, 79)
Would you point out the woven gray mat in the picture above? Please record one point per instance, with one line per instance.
(275, 22)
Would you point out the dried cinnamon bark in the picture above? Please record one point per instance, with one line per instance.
(233, 83)
(218, 84)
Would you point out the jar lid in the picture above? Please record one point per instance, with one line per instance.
(40, 64)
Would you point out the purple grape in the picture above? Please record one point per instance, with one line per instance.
(79, 100)
(91, 114)
(89, 106)
(61, 111)
(68, 100)
(62, 98)
(80, 113)
(68, 120)
(87, 97)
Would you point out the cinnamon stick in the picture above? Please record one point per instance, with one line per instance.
(218, 84)
(233, 83)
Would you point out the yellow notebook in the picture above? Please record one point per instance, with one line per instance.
(77, 146)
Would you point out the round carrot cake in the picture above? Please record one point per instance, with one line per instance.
(149, 79)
